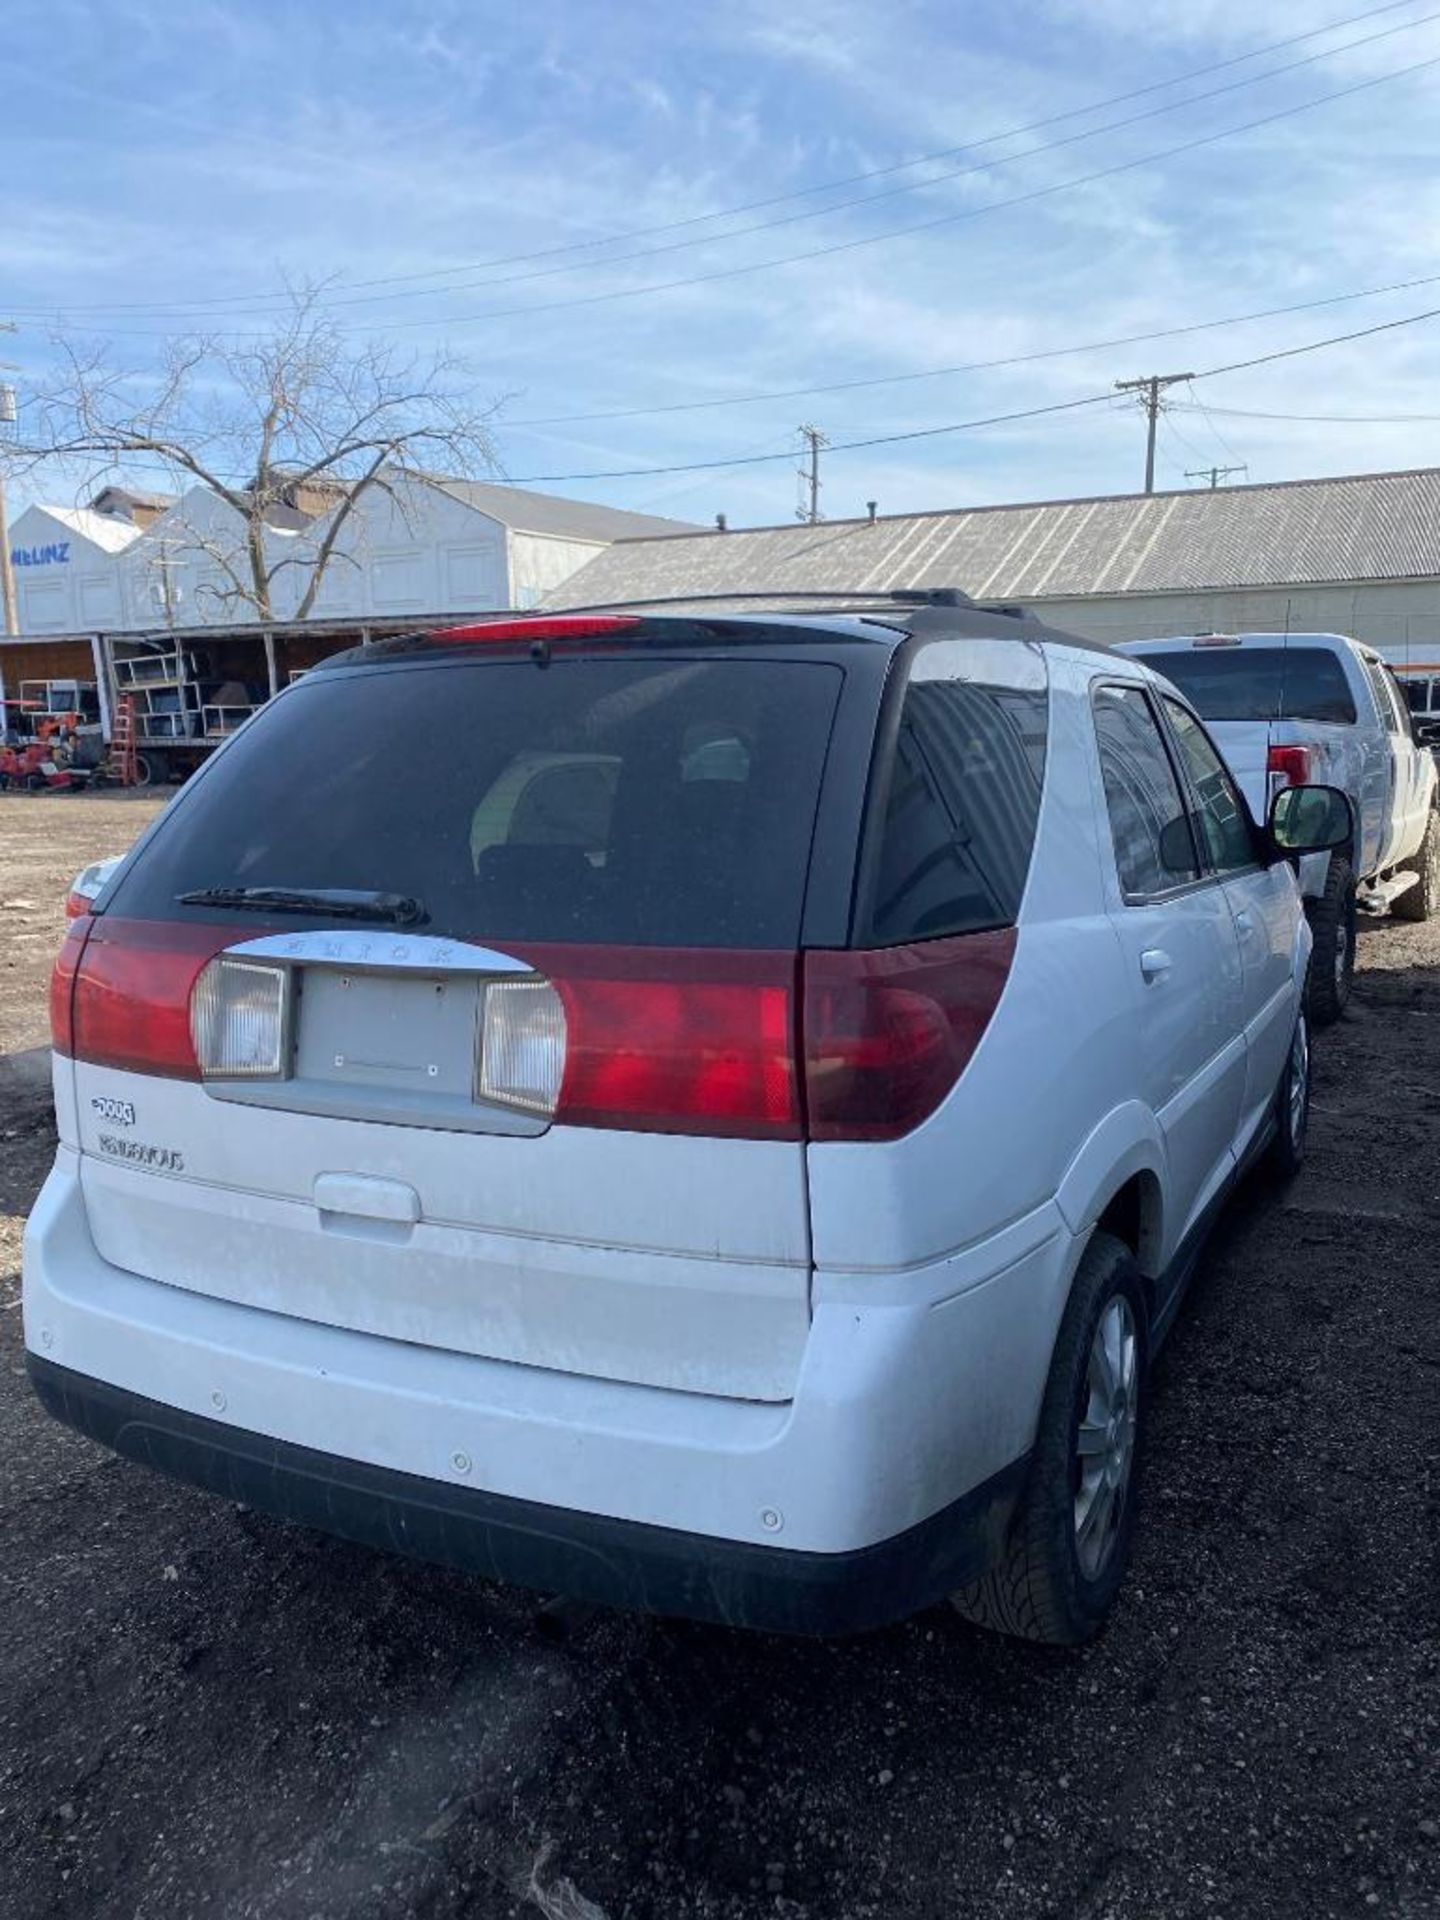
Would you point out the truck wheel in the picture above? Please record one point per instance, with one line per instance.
(1423, 899)
(1332, 962)
(151, 769)
(1070, 1538)
(1292, 1106)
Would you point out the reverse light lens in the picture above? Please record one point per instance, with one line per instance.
(522, 1048)
(237, 1020)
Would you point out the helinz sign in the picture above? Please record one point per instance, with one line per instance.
(57, 552)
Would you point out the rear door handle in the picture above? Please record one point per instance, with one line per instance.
(1245, 925)
(1155, 963)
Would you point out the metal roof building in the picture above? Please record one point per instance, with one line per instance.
(1356, 555)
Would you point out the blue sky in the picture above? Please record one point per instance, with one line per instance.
(168, 166)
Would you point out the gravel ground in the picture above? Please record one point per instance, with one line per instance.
(204, 1712)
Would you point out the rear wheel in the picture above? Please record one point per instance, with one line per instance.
(1332, 962)
(1292, 1105)
(1423, 899)
(1070, 1539)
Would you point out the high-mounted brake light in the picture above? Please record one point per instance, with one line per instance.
(558, 626)
(1289, 766)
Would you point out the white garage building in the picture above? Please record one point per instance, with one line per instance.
(422, 546)
(1358, 555)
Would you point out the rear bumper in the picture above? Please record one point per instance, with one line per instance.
(617, 1563)
(885, 1482)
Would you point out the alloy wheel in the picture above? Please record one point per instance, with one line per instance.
(1105, 1437)
(1299, 1083)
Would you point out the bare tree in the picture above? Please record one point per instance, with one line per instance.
(293, 420)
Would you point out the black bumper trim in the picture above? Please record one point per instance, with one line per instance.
(619, 1563)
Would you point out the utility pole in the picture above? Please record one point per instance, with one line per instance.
(1213, 474)
(7, 570)
(1150, 390)
(809, 507)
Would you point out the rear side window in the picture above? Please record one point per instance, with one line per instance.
(1223, 819)
(1259, 683)
(1154, 851)
(654, 802)
(962, 808)
(1388, 703)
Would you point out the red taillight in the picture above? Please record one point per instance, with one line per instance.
(556, 626)
(76, 904)
(889, 1032)
(667, 1040)
(661, 1040)
(62, 984)
(131, 1001)
(1290, 766)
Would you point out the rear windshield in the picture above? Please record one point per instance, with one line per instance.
(660, 802)
(1259, 683)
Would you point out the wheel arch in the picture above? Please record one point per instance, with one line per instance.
(1117, 1182)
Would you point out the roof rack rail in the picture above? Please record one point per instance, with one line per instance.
(874, 596)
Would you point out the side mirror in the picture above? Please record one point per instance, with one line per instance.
(1309, 819)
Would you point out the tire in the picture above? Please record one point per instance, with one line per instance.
(1332, 963)
(1292, 1106)
(1048, 1586)
(150, 770)
(1422, 900)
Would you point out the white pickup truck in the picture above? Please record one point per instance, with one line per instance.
(1287, 709)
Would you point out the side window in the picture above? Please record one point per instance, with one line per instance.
(962, 810)
(1398, 702)
(1380, 687)
(1223, 822)
(1149, 822)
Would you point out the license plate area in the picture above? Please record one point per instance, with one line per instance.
(393, 1032)
(388, 1039)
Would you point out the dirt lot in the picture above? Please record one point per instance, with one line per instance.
(203, 1712)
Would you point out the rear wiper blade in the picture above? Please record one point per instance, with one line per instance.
(341, 903)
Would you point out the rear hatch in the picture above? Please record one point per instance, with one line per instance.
(523, 1083)
(1258, 701)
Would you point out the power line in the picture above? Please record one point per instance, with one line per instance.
(1331, 419)
(1209, 419)
(874, 239)
(1213, 474)
(929, 226)
(828, 186)
(865, 200)
(992, 420)
(975, 366)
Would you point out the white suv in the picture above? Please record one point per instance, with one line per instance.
(707, 1113)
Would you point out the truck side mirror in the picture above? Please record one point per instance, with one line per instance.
(1309, 819)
